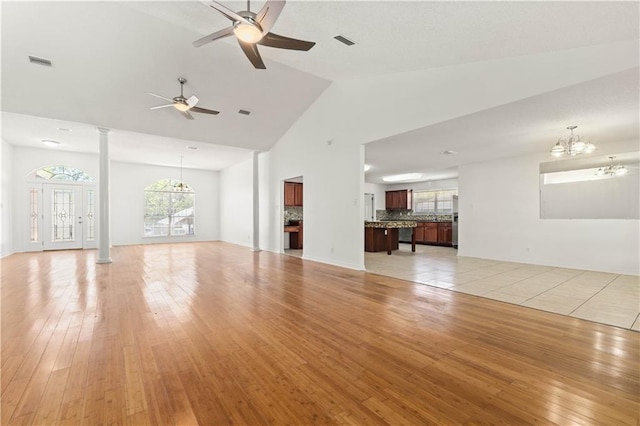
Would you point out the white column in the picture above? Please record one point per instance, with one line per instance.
(104, 242)
(256, 202)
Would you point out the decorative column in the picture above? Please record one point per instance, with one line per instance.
(104, 242)
(256, 202)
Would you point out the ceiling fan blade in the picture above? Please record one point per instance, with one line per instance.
(275, 40)
(158, 96)
(226, 32)
(161, 106)
(187, 115)
(204, 110)
(192, 101)
(269, 14)
(233, 16)
(251, 50)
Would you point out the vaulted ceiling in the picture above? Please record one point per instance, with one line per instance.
(106, 55)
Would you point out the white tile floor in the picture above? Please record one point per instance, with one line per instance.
(595, 296)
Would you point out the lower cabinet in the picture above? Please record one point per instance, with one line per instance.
(437, 233)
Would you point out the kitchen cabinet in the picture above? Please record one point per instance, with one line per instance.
(445, 233)
(436, 233)
(293, 194)
(431, 232)
(295, 234)
(399, 199)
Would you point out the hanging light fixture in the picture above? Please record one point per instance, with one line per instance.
(181, 186)
(573, 145)
(612, 169)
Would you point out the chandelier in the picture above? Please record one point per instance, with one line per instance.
(573, 145)
(612, 170)
(181, 186)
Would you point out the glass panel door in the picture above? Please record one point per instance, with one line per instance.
(62, 225)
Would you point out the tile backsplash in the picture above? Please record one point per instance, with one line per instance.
(292, 213)
(409, 215)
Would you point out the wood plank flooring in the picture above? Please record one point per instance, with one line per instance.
(213, 334)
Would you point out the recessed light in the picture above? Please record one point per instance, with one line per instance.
(448, 152)
(403, 176)
(63, 129)
(49, 142)
(192, 147)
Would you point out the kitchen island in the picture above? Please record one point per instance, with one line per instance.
(383, 235)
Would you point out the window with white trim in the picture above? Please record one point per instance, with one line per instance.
(434, 202)
(169, 209)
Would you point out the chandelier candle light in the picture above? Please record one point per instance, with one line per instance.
(612, 170)
(573, 145)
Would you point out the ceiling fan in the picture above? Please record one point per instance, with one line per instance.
(182, 104)
(252, 29)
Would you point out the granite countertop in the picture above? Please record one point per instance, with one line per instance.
(390, 224)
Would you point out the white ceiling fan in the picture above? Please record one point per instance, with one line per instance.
(182, 104)
(252, 29)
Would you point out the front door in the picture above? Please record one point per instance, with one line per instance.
(63, 216)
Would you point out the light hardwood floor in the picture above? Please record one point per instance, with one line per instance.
(212, 333)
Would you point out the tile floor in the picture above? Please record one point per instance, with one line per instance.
(595, 296)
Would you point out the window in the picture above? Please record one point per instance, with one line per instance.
(63, 173)
(168, 209)
(434, 202)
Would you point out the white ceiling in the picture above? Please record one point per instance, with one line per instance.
(106, 55)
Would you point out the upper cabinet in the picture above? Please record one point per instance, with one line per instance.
(292, 194)
(398, 200)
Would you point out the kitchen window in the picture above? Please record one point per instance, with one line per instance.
(434, 202)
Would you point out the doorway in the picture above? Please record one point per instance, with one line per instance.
(369, 209)
(62, 216)
(293, 216)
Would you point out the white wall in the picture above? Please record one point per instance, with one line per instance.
(500, 219)
(127, 202)
(236, 202)
(6, 199)
(325, 145)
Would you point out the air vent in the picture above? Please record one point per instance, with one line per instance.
(244, 112)
(40, 61)
(343, 39)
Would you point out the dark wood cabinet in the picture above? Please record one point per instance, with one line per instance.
(380, 239)
(295, 231)
(437, 233)
(292, 194)
(445, 230)
(399, 199)
(419, 230)
(431, 232)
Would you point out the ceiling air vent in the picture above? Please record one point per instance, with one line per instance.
(39, 61)
(244, 112)
(343, 39)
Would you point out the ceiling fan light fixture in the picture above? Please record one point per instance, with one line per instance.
(181, 106)
(248, 33)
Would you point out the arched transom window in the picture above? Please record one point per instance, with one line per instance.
(62, 173)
